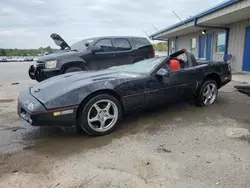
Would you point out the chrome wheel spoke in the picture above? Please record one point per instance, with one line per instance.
(94, 119)
(206, 100)
(110, 116)
(102, 124)
(213, 88)
(98, 109)
(107, 107)
(207, 92)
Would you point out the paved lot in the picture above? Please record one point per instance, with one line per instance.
(176, 146)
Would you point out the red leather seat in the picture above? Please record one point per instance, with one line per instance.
(174, 65)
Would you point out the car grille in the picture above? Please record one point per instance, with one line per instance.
(40, 64)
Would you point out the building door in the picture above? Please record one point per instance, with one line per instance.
(246, 57)
(209, 47)
(202, 39)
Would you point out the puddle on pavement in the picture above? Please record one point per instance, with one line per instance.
(54, 141)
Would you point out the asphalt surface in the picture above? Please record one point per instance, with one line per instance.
(173, 146)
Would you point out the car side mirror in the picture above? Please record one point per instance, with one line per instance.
(162, 72)
(96, 49)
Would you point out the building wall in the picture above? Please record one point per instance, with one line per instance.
(237, 43)
(235, 46)
(184, 42)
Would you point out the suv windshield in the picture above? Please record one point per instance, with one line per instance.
(80, 45)
(145, 66)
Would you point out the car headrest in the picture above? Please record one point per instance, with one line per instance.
(174, 65)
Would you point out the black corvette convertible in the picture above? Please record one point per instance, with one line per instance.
(95, 101)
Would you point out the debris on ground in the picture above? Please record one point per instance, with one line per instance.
(56, 185)
(6, 100)
(243, 89)
(161, 149)
(237, 132)
(15, 83)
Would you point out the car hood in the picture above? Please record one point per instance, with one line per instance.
(57, 55)
(59, 41)
(57, 86)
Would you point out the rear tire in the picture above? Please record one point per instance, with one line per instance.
(100, 115)
(207, 94)
(73, 69)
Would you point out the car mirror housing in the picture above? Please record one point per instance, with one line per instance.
(96, 49)
(162, 72)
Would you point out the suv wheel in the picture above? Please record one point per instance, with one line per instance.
(100, 115)
(73, 69)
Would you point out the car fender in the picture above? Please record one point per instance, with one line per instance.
(81, 64)
(66, 61)
(76, 94)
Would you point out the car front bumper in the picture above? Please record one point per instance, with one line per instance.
(39, 74)
(40, 116)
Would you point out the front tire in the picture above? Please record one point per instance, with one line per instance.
(207, 94)
(100, 115)
(73, 69)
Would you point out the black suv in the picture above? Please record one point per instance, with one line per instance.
(91, 54)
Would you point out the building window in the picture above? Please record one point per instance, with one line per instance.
(193, 43)
(221, 42)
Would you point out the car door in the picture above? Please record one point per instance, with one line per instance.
(174, 86)
(185, 81)
(160, 89)
(123, 51)
(187, 78)
(103, 55)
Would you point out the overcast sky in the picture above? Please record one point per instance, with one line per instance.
(28, 23)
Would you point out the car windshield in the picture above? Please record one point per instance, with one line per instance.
(145, 66)
(80, 45)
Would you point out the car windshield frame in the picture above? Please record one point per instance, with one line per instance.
(153, 64)
(80, 45)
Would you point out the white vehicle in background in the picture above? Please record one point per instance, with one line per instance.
(20, 59)
(13, 59)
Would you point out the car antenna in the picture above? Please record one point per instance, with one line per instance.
(146, 34)
(179, 18)
(181, 21)
(155, 28)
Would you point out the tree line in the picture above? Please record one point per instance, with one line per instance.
(161, 46)
(26, 52)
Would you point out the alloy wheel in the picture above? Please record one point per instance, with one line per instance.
(209, 94)
(102, 115)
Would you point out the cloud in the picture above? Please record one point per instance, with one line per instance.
(16, 33)
(37, 2)
(31, 22)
